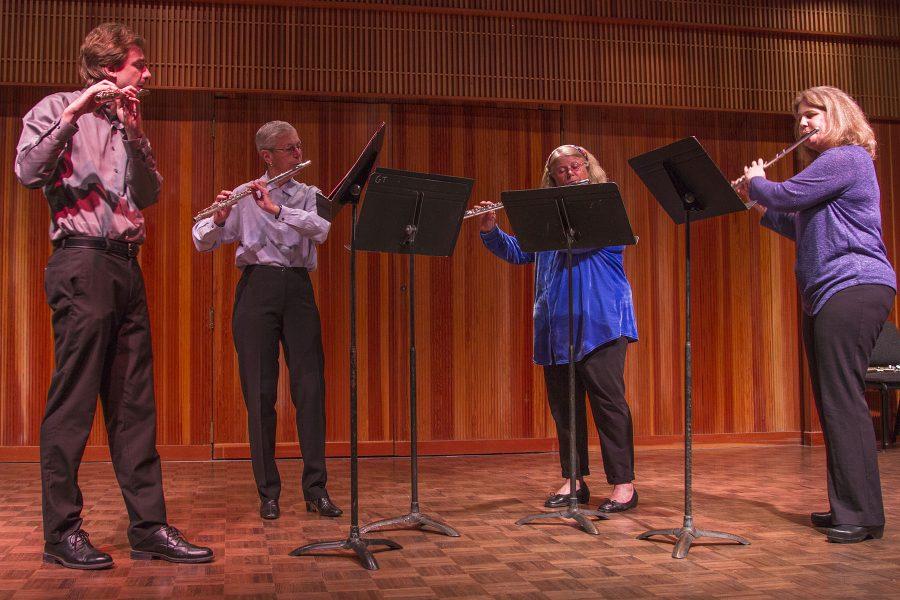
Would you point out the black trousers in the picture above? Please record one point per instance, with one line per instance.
(839, 340)
(101, 334)
(602, 375)
(272, 305)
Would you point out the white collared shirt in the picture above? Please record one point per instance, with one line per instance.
(286, 241)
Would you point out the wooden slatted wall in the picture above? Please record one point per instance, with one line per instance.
(493, 115)
(736, 56)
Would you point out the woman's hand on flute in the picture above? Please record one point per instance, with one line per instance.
(755, 170)
(488, 220)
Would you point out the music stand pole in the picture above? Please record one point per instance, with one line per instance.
(413, 213)
(414, 518)
(573, 511)
(354, 541)
(687, 533)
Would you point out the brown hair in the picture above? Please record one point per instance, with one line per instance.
(845, 122)
(106, 45)
(595, 172)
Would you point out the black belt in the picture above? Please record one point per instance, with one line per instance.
(124, 249)
(250, 268)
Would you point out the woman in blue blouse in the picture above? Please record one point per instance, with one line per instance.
(604, 318)
(847, 285)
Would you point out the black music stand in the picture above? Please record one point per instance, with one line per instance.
(412, 213)
(569, 218)
(688, 185)
(348, 191)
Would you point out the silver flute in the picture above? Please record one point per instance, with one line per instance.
(740, 180)
(480, 210)
(112, 94)
(234, 198)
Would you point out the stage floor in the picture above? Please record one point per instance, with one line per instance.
(763, 493)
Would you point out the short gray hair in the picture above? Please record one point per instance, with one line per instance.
(266, 135)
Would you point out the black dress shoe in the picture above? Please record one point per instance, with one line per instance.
(821, 519)
(76, 552)
(851, 534)
(559, 500)
(268, 509)
(324, 506)
(611, 506)
(168, 544)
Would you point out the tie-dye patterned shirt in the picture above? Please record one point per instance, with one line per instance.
(95, 180)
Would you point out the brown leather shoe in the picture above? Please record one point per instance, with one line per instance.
(324, 506)
(77, 552)
(168, 544)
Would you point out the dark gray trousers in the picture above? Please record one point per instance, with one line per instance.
(602, 375)
(839, 340)
(101, 333)
(275, 305)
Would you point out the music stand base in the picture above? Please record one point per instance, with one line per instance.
(581, 517)
(356, 543)
(413, 519)
(687, 533)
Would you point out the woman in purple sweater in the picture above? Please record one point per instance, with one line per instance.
(847, 285)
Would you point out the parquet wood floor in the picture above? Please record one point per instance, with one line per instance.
(761, 492)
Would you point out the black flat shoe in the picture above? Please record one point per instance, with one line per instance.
(821, 519)
(268, 509)
(851, 534)
(611, 506)
(559, 500)
(168, 544)
(77, 552)
(324, 506)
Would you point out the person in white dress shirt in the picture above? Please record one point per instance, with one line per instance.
(277, 231)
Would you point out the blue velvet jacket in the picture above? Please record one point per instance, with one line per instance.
(602, 305)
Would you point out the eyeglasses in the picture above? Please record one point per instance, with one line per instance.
(573, 167)
(298, 147)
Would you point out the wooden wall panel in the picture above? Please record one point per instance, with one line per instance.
(749, 57)
(26, 342)
(179, 281)
(483, 89)
(477, 387)
(743, 301)
(476, 379)
(872, 18)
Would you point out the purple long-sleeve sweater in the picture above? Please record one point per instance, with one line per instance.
(832, 211)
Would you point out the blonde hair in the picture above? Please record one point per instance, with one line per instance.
(845, 122)
(596, 174)
(106, 45)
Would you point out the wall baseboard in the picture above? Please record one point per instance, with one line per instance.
(813, 438)
(202, 452)
(197, 452)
